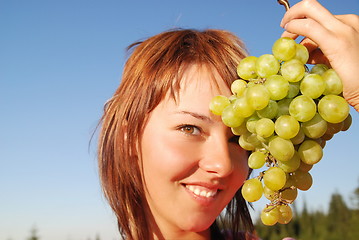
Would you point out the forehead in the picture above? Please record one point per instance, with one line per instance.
(201, 81)
(198, 86)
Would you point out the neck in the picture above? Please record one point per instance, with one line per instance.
(160, 229)
(205, 235)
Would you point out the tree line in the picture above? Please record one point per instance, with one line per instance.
(341, 221)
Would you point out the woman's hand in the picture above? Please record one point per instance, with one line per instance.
(330, 39)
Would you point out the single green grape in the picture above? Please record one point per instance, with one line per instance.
(319, 68)
(245, 144)
(246, 68)
(286, 127)
(277, 86)
(238, 87)
(291, 165)
(281, 149)
(310, 152)
(274, 178)
(240, 130)
(230, 118)
(242, 107)
(252, 190)
(303, 108)
(218, 103)
(264, 127)
(256, 160)
(312, 86)
(270, 215)
(284, 48)
(285, 214)
(267, 65)
(258, 96)
(292, 70)
(270, 111)
(315, 127)
(302, 180)
(301, 53)
(333, 108)
(333, 83)
(290, 194)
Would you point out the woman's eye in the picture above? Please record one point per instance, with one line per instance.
(189, 129)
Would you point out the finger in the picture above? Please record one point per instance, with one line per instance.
(315, 53)
(290, 35)
(310, 29)
(317, 56)
(309, 44)
(310, 9)
(350, 20)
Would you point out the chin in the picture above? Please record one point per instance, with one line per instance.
(199, 226)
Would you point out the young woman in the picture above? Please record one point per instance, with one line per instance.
(168, 166)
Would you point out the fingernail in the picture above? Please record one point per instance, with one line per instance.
(281, 23)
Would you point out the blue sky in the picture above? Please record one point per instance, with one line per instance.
(61, 60)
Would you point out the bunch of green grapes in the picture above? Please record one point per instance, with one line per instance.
(284, 113)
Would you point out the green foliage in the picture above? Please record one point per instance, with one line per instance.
(33, 234)
(340, 222)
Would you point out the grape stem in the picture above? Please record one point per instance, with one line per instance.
(270, 207)
(260, 176)
(285, 3)
(265, 146)
(275, 203)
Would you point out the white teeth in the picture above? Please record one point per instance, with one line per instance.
(202, 193)
(196, 191)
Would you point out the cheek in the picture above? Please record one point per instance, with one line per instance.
(168, 156)
(240, 158)
(182, 156)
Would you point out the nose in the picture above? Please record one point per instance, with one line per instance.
(216, 158)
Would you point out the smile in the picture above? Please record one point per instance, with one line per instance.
(201, 191)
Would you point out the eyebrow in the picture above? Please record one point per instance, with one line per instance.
(197, 115)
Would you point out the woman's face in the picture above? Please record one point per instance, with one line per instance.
(192, 165)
